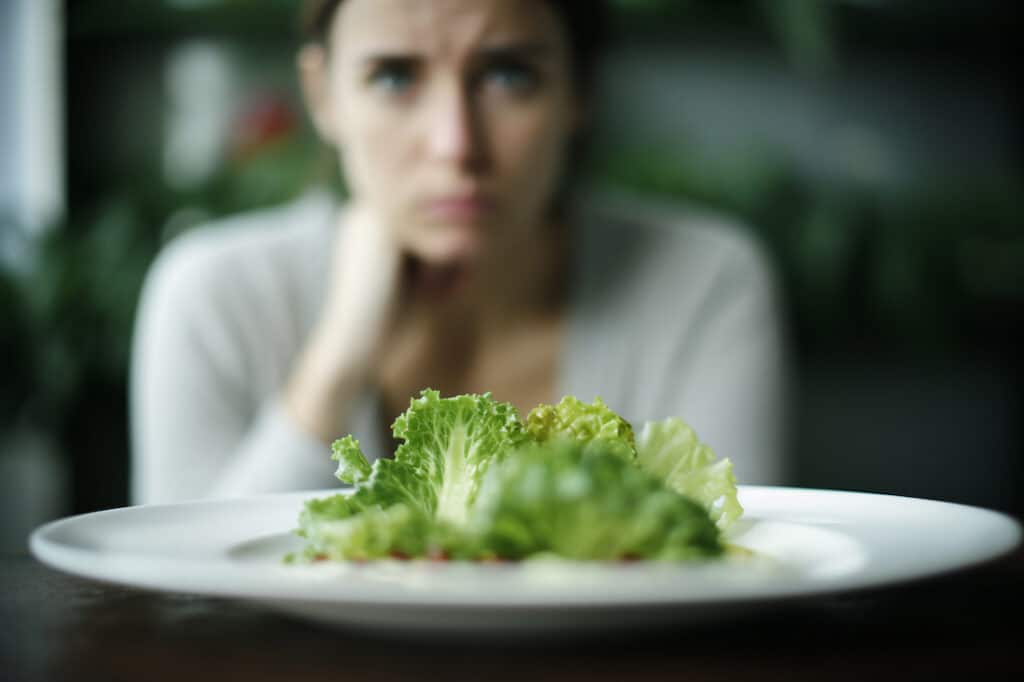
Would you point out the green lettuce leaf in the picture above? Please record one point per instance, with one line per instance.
(671, 451)
(588, 424)
(334, 532)
(352, 465)
(471, 480)
(418, 502)
(449, 443)
(585, 501)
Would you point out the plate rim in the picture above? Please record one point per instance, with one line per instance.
(70, 560)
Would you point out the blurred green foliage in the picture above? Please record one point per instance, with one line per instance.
(934, 269)
(68, 312)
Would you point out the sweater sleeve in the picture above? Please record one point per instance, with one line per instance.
(735, 391)
(199, 429)
(276, 454)
(676, 313)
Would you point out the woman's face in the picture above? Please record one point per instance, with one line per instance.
(451, 117)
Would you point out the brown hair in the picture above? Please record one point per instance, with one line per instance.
(584, 22)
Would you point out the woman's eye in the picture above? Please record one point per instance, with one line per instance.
(514, 77)
(393, 79)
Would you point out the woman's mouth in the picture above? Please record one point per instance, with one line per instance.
(460, 208)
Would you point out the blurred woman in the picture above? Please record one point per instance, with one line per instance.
(461, 262)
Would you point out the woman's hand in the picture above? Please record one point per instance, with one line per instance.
(360, 308)
(389, 316)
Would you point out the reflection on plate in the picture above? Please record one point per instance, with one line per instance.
(802, 543)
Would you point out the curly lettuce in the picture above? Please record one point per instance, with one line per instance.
(417, 502)
(585, 501)
(671, 451)
(593, 424)
(472, 480)
(667, 449)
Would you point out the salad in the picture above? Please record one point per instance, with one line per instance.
(473, 481)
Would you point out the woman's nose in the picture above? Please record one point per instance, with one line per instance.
(455, 135)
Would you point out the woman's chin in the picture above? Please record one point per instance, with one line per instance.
(458, 248)
(444, 265)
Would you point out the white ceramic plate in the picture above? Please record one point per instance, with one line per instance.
(805, 543)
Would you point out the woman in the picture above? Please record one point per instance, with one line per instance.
(457, 264)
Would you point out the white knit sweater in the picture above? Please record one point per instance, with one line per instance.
(672, 313)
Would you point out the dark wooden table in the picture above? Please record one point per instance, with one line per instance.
(965, 626)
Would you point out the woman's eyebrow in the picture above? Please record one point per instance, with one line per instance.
(523, 51)
(391, 58)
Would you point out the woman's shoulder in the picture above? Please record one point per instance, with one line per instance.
(667, 223)
(658, 237)
(245, 266)
(236, 250)
(246, 240)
